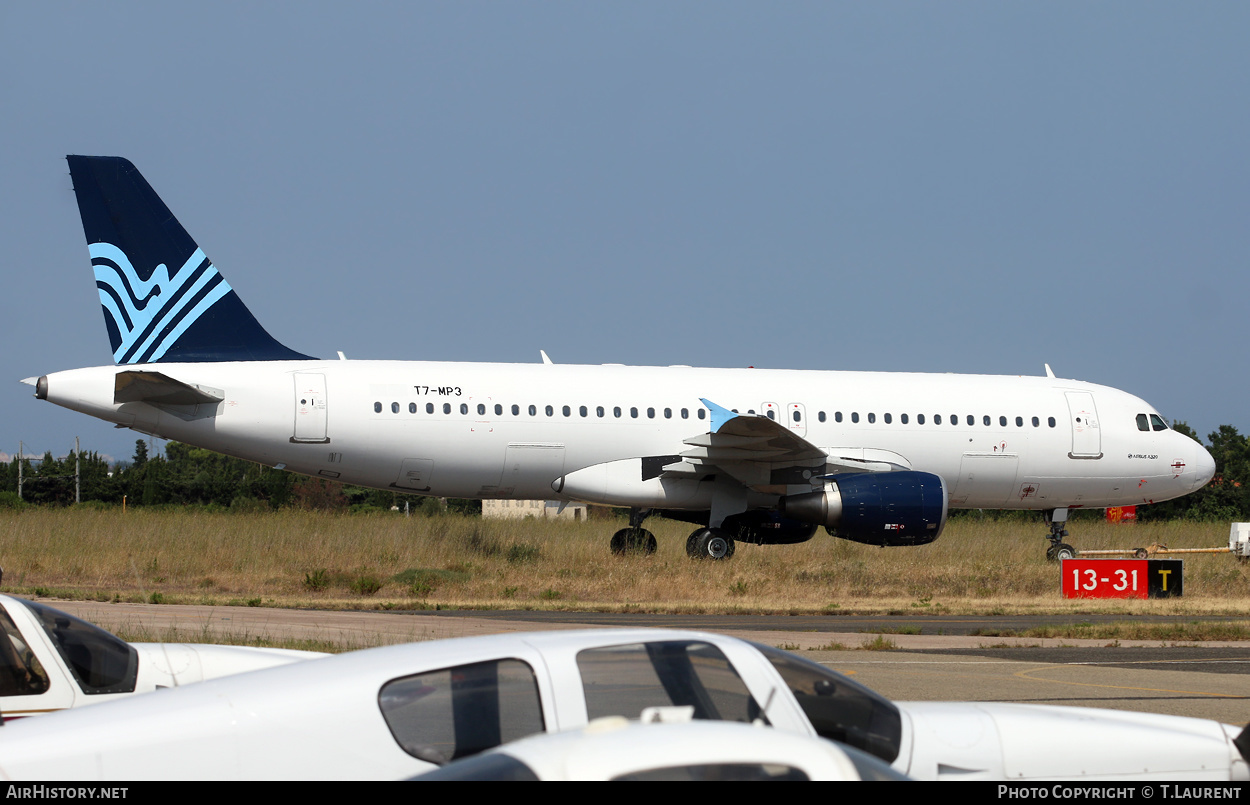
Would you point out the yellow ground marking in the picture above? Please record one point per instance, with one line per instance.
(1026, 675)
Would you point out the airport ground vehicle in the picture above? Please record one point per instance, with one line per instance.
(51, 661)
(394, 712)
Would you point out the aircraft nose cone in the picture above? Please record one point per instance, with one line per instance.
(1204, 468)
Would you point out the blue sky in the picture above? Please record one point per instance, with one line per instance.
(951, 187)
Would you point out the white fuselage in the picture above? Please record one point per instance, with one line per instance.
(480, 430)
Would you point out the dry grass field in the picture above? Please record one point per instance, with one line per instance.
(293, 558)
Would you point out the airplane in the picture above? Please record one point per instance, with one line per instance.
(749, 455)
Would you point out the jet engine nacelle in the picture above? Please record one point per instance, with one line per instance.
(876, 508)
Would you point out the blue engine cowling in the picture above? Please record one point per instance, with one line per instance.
(876, 508)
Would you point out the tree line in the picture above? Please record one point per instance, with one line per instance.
(193, 476)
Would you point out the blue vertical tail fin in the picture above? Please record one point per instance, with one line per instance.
(163, 299)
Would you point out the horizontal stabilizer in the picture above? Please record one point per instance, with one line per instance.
(160, 389)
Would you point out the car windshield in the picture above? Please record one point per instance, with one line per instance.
(839, 709)
(101, 662)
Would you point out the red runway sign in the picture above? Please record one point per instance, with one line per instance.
(1122, 578)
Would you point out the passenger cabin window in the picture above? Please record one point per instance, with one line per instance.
(377, 408)
(446, 408)
(582, 411)
(702, 413)
(668, 413)
(1050, 420)
(837, 416)
(937, 419)
(797, 416)
(498, 409)
(872, 418)
(919, 419)
(616, 412)
(1002, 422)
(888, 419)
(685, 413)
(566, 410)
(855, 416)
(516, 410)
(1019, 422)
(633, 412)
(599, 412)
(481, 409)
(1036, 422)
(533, 410)
(820, 416)
(902, 418)
(650, 413)
(429, 408)
(550, 411)
(771, 414)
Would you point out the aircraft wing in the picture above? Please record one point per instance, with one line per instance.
(761, 452)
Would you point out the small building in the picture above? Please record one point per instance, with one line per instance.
(544, 509)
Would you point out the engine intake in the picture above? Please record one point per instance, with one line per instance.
(875, 508)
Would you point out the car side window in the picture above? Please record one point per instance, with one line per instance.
(719, 772)
(623, 680)
(452, 713)
(20, 671)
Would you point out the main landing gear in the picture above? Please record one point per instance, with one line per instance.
(634, 539)
(710, 543)
(1058, 550)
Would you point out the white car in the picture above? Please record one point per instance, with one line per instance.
(394, 712)
(52, 661)
(615, 748)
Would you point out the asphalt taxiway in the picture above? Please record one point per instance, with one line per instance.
(945, 661)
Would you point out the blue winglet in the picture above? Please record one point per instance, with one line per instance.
(719, 415)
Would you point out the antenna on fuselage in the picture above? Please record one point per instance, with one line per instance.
(1049, 373)
(546, 360)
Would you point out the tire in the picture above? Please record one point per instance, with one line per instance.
(633, 540)
(710, 543)
(1057, 553)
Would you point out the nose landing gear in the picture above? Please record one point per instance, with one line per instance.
(1058, 550)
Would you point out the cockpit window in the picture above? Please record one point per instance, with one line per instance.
(20, 671)
(1143, 423)
(839, 709)
(1157, 422)
(624, 680)
(100, 662)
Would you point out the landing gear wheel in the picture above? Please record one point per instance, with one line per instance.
(633, 540)
(1060, 551)
(710, 543)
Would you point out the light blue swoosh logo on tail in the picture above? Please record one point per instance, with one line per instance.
(151, 314)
